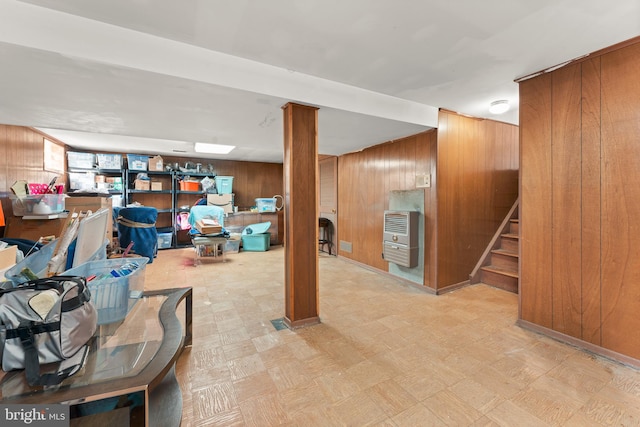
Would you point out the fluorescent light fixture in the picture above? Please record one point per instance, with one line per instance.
(499, 107)
(201, 147)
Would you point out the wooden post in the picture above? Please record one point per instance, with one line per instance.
(301, 215)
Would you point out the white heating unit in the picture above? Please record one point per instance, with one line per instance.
(400, 238)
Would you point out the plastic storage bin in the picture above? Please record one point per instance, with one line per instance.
(164, 240)
(37, 204)
(109, 161)
(256, 242)
(81, 160)
(266, 205)
(189, 185)
(232, 246)
(36, 262)
(224, 184)
(113, 296)
(136, 162)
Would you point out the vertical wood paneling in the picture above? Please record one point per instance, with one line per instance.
(566, 200)
(364, 182)
(432, 214)
(22, 158)
(536, 301)
(473, 167)
(596, 204)
(591, 256)
(621, 200)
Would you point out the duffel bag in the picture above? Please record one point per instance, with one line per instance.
(45, 321)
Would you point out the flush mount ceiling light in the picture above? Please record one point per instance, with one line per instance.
(202, 147)
(499, 107)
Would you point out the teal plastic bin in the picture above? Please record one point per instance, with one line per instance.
(256, 242)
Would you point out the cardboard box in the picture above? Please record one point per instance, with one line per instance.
(7, 257)
(156, 186)
(156, 164)
(83, 204)
(224, 201)
(141, 184)
(208, 226)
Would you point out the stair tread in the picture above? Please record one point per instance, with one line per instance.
(506, 252)
(499, 270)
(510, 235)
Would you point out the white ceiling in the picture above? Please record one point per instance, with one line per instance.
(143, 76)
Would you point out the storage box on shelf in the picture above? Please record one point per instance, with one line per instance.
(156, 164)
(136, 162)
(142, 184)
(266, 204)
(224, 201)
(38, 204)
(109, 161)
(165, 240)
(82, 180)
(81, 160)
(224, 184)
(93, 204)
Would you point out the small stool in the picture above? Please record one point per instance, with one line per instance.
(325, 233)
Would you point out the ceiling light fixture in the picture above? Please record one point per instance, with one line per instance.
(499, 107)
(202, 147)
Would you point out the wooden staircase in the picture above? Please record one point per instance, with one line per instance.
(499, 264)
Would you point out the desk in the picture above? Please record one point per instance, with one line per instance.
(136, 355)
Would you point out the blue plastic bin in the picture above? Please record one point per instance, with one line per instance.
(224, 184)
(36, 262)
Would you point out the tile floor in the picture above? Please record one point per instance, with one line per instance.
(385, 354)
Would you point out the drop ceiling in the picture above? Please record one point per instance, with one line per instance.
(145, 76)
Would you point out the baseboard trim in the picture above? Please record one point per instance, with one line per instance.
(584, 345)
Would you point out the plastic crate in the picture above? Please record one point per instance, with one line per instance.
(113, 296)
(81, 160)
(82, 180)
(224, 184)
(256, 242)
(109, 161)
(136, 162)
(266, 205)
(232, 246)
(42, 204)
(164, 240)
(36, 262)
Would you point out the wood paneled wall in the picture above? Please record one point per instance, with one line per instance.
(477, 171)
(473, 165)
(22, 158)
(364, 182)
(580, 206)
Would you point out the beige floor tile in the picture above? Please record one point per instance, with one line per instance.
(451, 410)
(417, 415)
(385, 354)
